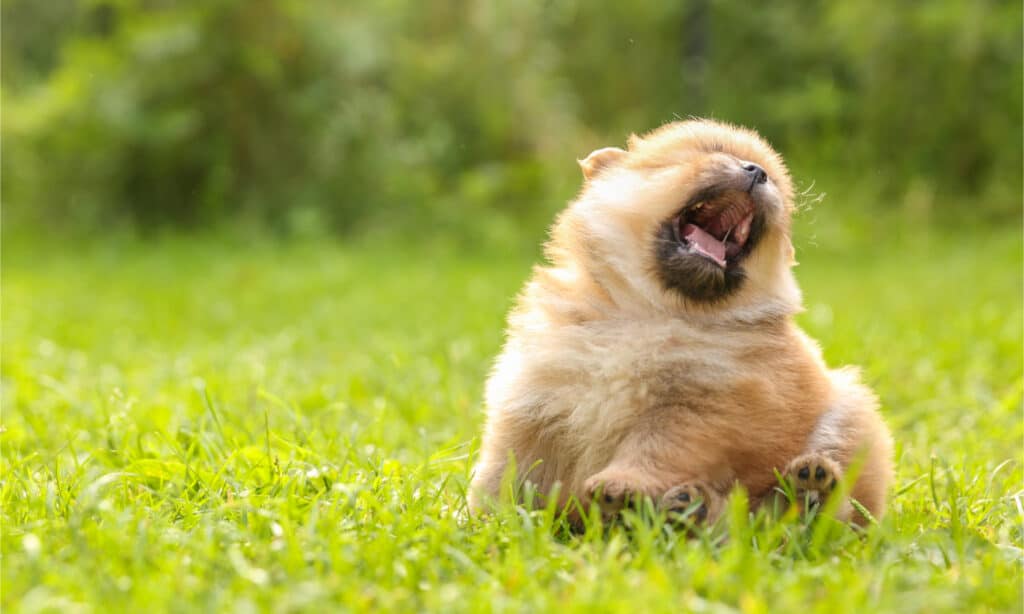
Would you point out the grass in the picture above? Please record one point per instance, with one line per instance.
(200, 425)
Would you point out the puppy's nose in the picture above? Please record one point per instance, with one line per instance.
(756, 173)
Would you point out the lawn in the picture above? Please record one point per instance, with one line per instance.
(211, 424)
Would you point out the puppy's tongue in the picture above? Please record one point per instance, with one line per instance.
(704, 244)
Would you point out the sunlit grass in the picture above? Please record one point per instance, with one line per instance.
(200, 425)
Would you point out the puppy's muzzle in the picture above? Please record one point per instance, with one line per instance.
(756, 173)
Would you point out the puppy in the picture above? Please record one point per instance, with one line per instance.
(656, 354)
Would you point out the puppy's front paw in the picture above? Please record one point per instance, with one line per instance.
(813, 478)
(693, 502)
(612, 491)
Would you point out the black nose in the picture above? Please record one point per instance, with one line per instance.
(756, 173)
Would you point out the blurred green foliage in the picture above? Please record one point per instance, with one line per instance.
(319, 115)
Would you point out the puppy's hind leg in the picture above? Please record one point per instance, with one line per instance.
(851, 432)
(813, 476)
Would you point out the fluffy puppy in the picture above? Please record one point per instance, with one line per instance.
(656, 354)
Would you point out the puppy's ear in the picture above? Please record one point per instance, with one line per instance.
(599, 159)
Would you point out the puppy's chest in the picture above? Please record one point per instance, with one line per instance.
(629, 372)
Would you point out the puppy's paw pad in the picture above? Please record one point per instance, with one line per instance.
(692, 502)
(813, 477)
(611, 493)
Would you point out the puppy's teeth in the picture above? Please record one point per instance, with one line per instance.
(742, 230)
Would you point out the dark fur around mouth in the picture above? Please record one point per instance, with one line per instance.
(693, 275)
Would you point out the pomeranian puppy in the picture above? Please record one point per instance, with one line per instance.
(655, 355)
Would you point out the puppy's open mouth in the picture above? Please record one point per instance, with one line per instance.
(717, 228)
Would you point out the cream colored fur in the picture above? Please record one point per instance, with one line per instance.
(609, 382)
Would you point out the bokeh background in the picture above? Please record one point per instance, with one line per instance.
(464, 119)
(257, 254)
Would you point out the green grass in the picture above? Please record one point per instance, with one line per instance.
(198, 425)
